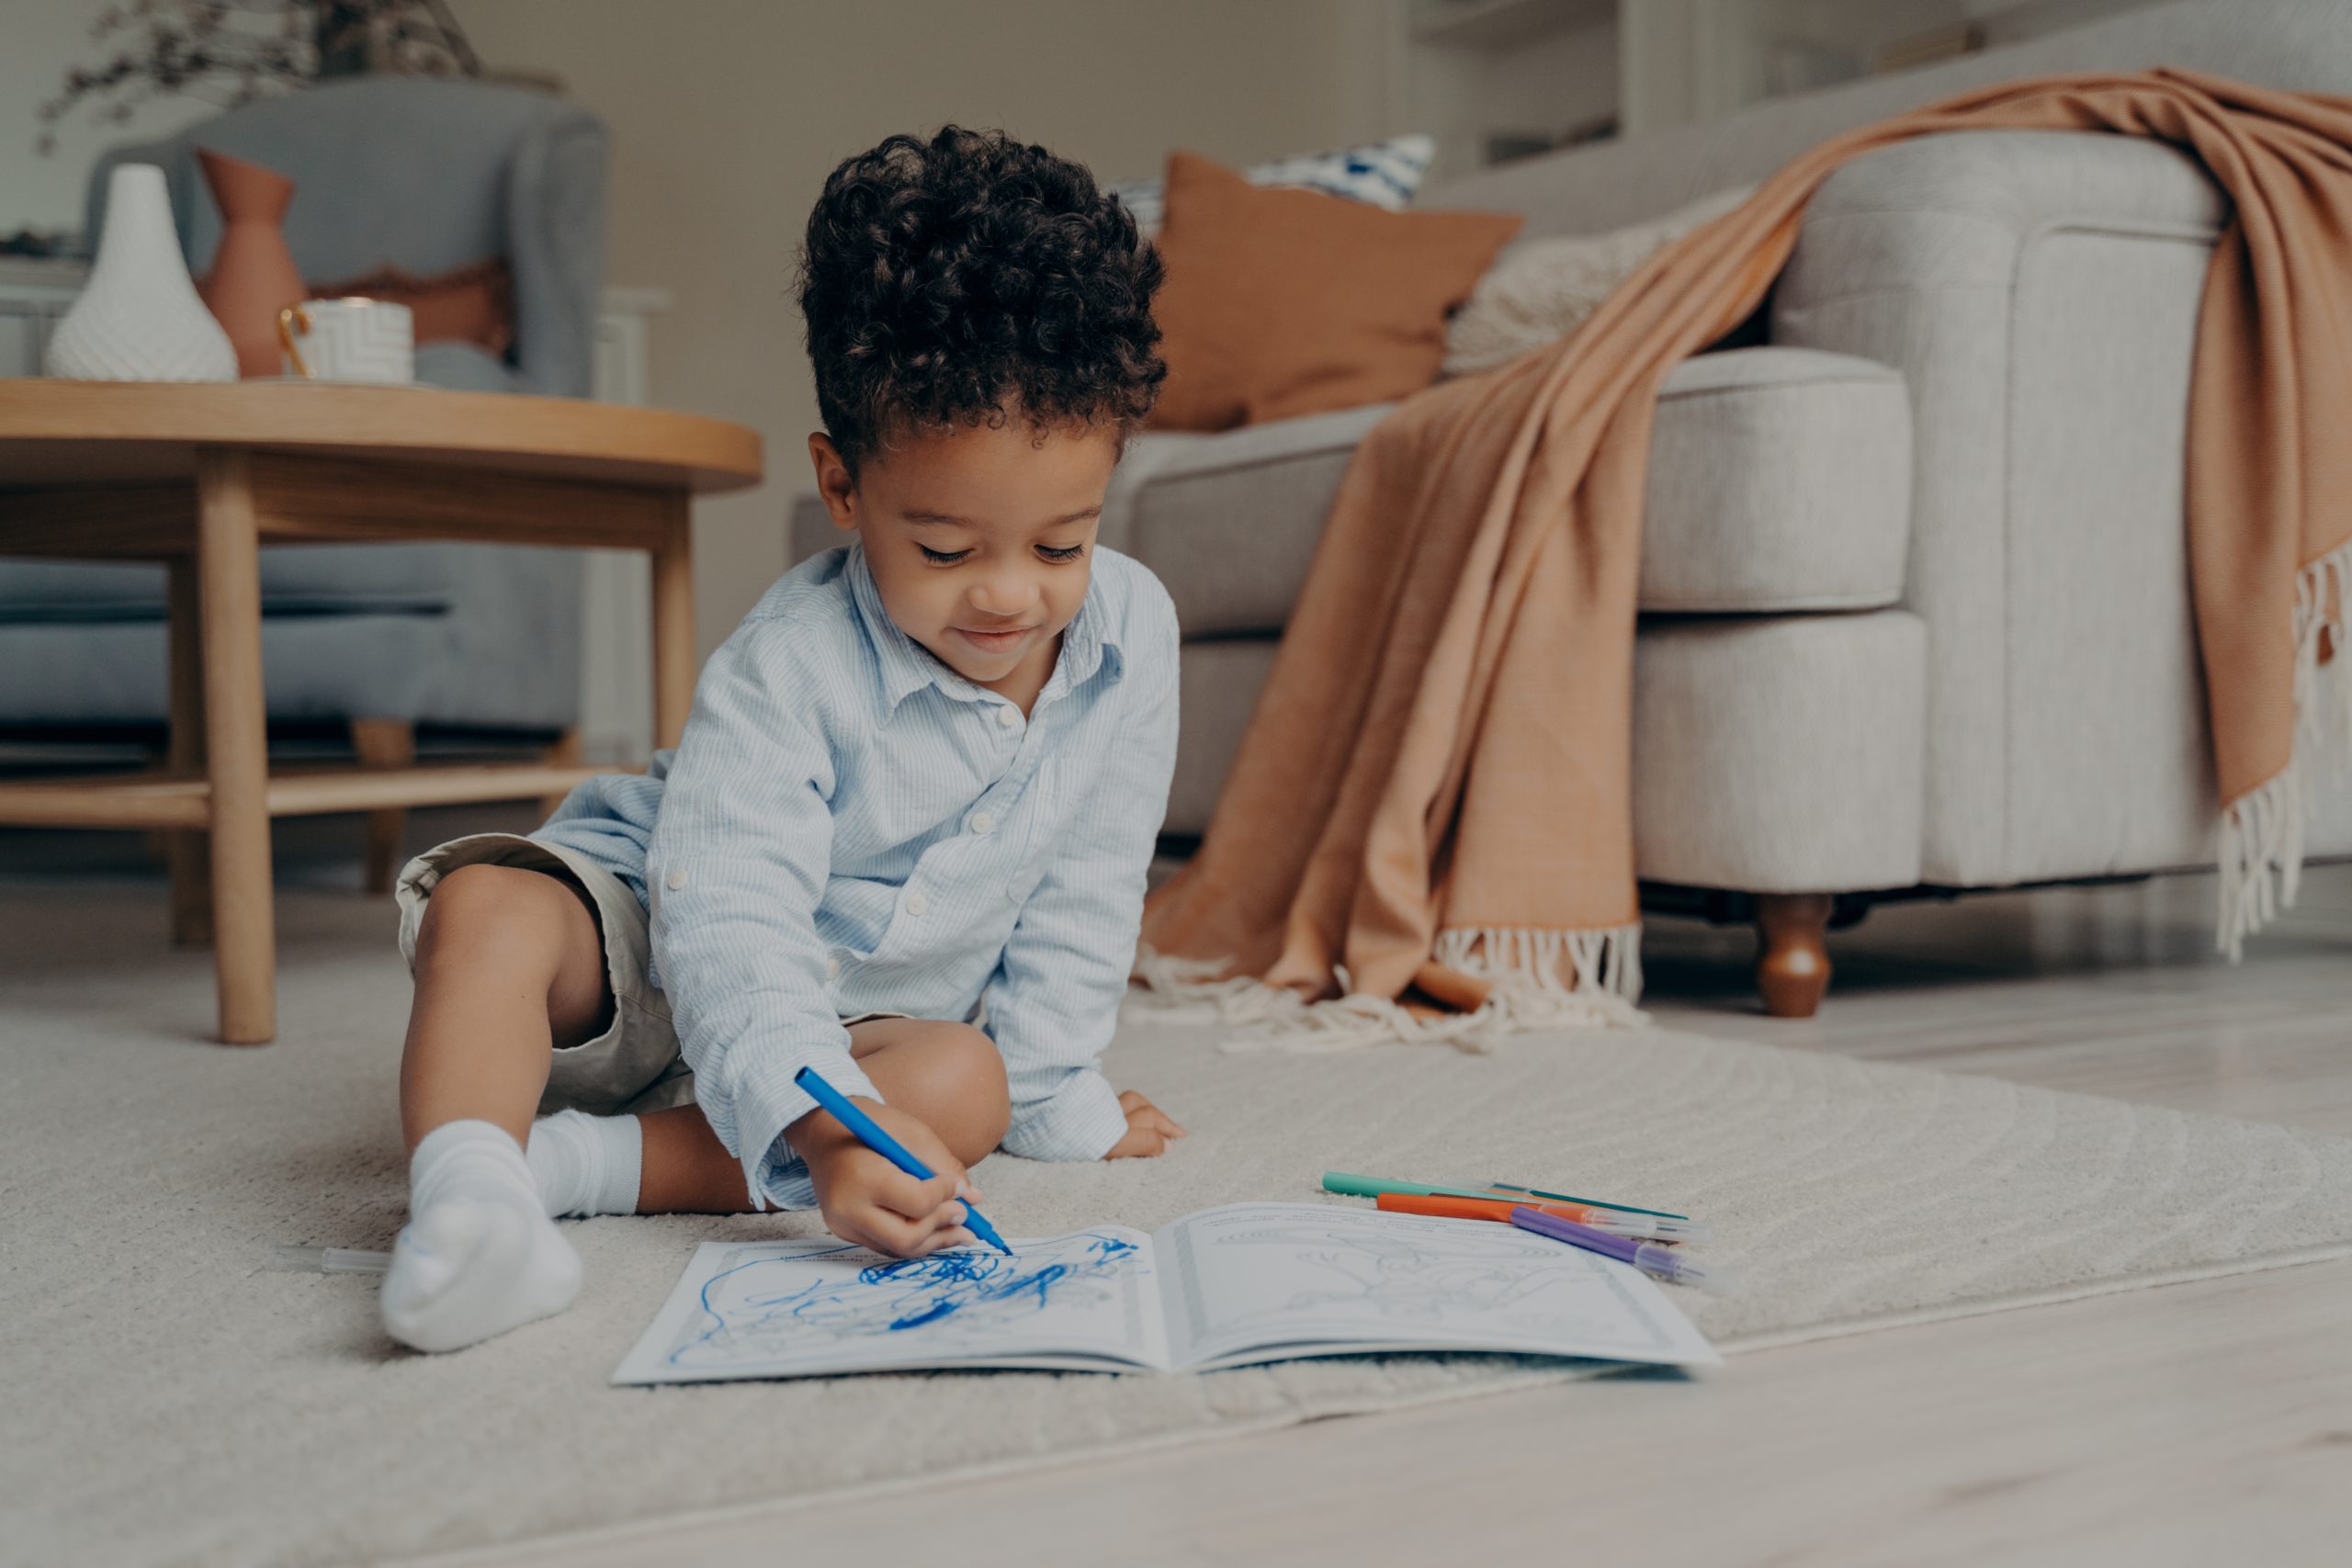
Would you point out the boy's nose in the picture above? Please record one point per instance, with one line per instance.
(1003, 596)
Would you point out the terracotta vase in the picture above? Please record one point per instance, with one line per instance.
(253, 275)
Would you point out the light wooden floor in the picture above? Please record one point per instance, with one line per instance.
(2199, 1424)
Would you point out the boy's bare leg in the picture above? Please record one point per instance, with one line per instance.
(948, 1075)
(509, 963)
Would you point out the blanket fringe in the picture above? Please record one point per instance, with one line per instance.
(2262, 830)
(1543, 979)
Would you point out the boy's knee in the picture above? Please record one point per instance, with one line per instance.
(967, 1074)
(479, 901)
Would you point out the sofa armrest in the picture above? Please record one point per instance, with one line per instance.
(2038, 292)
(1955, 211)
(555, 204)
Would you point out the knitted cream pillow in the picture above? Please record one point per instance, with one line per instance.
(1540, 290)
(1380, 173)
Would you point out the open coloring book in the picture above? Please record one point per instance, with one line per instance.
(1221, 1287)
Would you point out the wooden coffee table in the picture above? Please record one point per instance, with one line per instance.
(200, 476)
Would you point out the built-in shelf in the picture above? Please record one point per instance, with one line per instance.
(1498, 24)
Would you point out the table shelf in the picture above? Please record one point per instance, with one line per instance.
(114, 800)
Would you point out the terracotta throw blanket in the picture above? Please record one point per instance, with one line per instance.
(1426, 833)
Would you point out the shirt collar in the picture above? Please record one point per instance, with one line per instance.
(908, 666)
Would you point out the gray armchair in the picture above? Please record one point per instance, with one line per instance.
(426, 176)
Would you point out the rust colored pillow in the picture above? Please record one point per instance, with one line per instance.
(470, 304)
(1283, 302)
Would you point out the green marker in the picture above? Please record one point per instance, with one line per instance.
(1346, 1185)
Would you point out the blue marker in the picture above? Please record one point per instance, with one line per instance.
(867, 1132)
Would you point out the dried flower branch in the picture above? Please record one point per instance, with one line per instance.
(231, 52)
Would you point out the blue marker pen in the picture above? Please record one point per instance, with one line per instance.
(870, 1133)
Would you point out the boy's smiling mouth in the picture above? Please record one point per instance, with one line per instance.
(995, 641)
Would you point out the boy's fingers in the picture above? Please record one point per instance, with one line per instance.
(902, 1195)
(947, 1223)
(946, 1240)
(897, 1236)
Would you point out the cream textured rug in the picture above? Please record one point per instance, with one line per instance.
(170, 1399)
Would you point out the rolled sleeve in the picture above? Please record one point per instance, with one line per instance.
(1053, 1003)
(1077, 1118)
(735, 868)
(767, 1101)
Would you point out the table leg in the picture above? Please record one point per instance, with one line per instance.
(228, 566)
(186, 851)
(673, 622)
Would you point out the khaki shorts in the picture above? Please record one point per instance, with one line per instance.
(634, 1065)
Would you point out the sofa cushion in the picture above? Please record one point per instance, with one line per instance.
(1770, 754)
(1780, 481)
(310, 579)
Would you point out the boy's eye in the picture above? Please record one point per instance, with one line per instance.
(1050, 552)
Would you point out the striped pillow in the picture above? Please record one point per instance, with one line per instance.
(1384, 174)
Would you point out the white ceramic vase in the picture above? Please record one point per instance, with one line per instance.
(138, 318)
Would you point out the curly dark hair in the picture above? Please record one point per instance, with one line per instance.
(970, 277)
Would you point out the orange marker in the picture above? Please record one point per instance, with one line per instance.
(1615, 1221)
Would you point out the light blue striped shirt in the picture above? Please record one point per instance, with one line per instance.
(849, 824)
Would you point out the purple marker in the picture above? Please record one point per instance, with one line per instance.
(1657, 1262)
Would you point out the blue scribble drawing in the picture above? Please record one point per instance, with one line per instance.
(771, 1306)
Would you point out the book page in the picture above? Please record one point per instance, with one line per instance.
(1265, 1281)
(805, 1308)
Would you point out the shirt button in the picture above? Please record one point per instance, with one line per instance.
(982, 822)
(1008, 716)
(677, 879)
(917, 903)
(832, 968)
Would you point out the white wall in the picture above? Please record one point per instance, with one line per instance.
(727, 116)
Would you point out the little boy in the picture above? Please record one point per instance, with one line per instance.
(904, 838)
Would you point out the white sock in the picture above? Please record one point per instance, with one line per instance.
(587, 1165)
(479, 1255)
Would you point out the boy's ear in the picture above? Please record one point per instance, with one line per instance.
(833, 483)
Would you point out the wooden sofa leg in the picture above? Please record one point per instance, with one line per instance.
(384, 743)
(1792, 956)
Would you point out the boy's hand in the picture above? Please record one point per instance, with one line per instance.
(870, 1202)
(1149, 1129)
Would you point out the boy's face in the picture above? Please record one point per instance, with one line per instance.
(980, 541)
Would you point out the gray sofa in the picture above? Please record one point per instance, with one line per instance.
(427, 176)
(1914, 592)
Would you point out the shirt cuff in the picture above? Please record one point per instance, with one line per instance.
(1080, 1120)
(767, 1101)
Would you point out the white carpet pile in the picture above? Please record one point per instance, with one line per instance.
(173, 1399)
